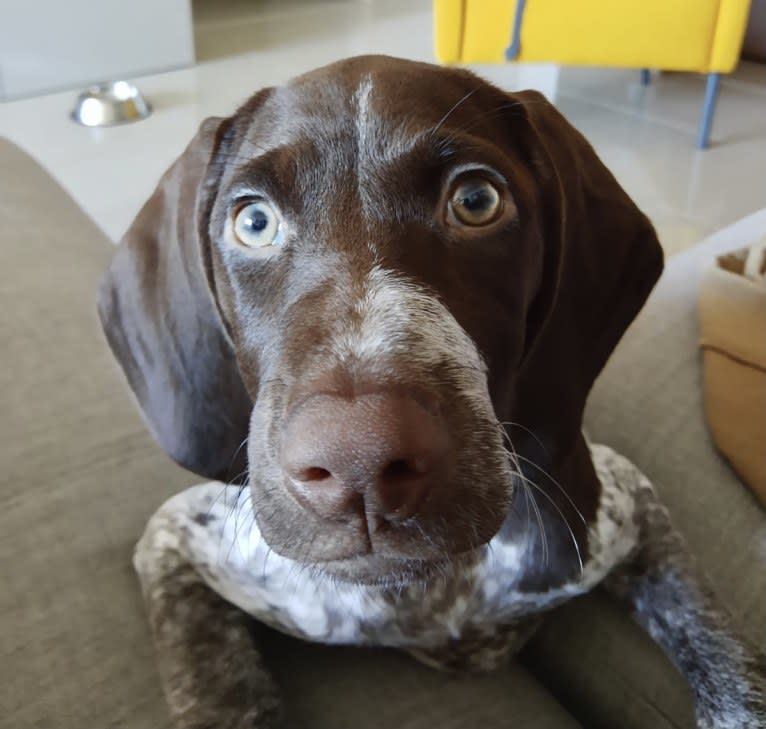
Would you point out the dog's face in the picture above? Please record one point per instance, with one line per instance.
(389, 261)
(373, 272)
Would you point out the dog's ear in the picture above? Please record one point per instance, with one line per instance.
(159, 316)
(601, 260)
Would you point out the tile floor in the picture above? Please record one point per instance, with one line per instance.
(646, 135)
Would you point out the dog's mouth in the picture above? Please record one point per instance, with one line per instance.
(395, 573)
(416, 550)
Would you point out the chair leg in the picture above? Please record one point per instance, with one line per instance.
(708, 108)
(513, 50)
(645, 77)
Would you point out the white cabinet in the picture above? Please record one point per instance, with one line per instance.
(46, 45)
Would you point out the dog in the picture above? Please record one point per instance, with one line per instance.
(370, 305)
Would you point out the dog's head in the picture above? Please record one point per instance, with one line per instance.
(347, 290)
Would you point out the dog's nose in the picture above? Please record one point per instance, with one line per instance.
(376, 455)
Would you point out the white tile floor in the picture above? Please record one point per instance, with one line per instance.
(646, 135)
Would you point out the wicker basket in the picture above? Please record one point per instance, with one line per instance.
(732, 309)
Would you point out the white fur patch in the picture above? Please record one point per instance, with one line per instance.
(213, 527)
(362, 98)
(615, 531)
(392, 314)
(379, 142)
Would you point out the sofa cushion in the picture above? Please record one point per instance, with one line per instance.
(648, 405)
(80, 478)
(357, 688)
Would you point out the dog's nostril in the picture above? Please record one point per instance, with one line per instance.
(313, 473)
(401, 469)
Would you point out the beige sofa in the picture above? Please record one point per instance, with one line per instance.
(81, 476)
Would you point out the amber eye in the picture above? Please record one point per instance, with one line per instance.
(475, 202)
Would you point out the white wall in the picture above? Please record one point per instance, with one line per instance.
(47, 45)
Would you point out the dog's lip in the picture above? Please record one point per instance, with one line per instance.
(403, 571)
(406, 573)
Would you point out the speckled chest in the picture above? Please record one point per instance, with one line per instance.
(469, 618)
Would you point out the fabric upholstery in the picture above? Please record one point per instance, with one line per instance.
(648, 405)
(355, 688)
(80, 478)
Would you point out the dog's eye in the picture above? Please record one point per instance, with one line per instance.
(257, 225)
(475, 202)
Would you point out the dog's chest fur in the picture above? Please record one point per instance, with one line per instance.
(468, 618)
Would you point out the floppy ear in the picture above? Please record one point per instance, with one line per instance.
(602, 258)
(159, 316)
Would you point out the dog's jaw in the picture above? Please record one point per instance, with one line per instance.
(414, 606)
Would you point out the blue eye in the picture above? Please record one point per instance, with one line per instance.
(257, 225)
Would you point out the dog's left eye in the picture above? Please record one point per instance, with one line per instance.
(256, 225)
(475, 201)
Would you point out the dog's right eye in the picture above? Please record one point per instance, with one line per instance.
(256, 225)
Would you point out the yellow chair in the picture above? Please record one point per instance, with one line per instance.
(704, 36)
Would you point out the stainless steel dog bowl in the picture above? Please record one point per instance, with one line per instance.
(107, 104)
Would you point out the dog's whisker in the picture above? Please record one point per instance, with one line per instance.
(454, 107)
(518, 458)
(215, 501)
(530, 499)
(240, 504)
(265, 562)
(489, 115)
(555, 483)
(529, 483)
(564, 519)
(529, 495)
(236, 453)
(512, 424)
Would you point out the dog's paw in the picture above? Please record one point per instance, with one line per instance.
(743, 706)
(738, 719)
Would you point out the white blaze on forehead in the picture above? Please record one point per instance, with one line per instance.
(362, 96)
(381, 139)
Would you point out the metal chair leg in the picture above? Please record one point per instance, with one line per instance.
(708, 108)
(513, 50)
(645, 77)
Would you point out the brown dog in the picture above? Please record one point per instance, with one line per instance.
(346, 296)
